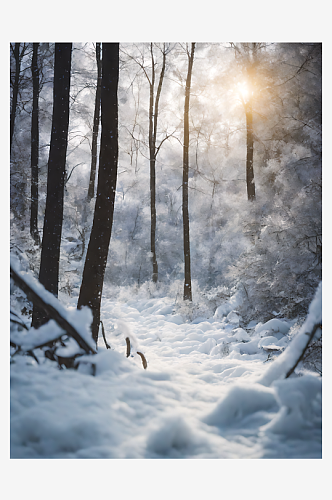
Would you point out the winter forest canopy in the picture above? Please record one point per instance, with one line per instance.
(166, 238)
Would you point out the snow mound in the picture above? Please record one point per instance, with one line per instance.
(207, 346)
(241, 335)
(233, 318)
(231, 304)
(108, 361)
(174, 439)
(300, 414)
(241, 401)
(127, 331)
(266, 341)
(274, 325)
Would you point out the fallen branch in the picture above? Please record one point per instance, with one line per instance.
(51, 311)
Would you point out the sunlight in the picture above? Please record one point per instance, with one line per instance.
(244, 90)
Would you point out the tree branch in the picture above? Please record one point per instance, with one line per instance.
(50, 311)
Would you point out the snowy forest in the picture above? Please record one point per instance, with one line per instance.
(166, 250)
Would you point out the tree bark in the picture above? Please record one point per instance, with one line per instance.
(152, 149)
(153, 127)
(91, 191)
(96, 257)
(34, 146)
(50, 254)
(187, 295)
(250, 154)
(15, 91)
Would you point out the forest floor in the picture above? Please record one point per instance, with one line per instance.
(198, 398)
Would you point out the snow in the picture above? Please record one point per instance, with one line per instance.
(274, 325)
(241, 335)
(28, 339)
(240, 402)
(207, 392)
(289, 357)
(82, 318)
(229, 306)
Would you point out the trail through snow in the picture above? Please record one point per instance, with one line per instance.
(198, 398)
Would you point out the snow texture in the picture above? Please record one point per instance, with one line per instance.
(207, 393)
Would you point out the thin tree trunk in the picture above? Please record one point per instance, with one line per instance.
(187, 295)
(50, 254)
(15, 91)
(96, 257)
(250, 155)
(153, 127)
(34, 147)
(152, 148)
(91, 191)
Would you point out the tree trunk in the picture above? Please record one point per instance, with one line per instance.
(152, 149)
(34, 147)
(153, 127)
(250, 155)
(96, 257)
(15, 91)
(91, 191)
(187, 295)
(50, 254)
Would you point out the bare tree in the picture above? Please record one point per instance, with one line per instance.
(96, 117)
(153, 120)
(96, 257)
(50, 254)
(153, 131)
(18, 54)
(34, 146)
(187, 295)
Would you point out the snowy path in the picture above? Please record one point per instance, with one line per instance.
(173, 409)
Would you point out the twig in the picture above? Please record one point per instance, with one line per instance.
(145, 365)
(18, 321)
(128, 346)
(144, 362)
(103, 332)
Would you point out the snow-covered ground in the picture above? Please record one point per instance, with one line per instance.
(207, 392)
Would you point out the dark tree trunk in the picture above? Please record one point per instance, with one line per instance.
(91, 191)
(96, 257)
(153, 127)
(152, 148)
(250, 155)
(15, 91)
(187, 295)
(50, 253)
(34, 146)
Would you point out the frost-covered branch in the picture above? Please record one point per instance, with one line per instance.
(286, 363)
(54, 310)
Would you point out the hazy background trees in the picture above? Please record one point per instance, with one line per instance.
(269, 249)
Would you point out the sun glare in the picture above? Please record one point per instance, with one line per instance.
(244, 91)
